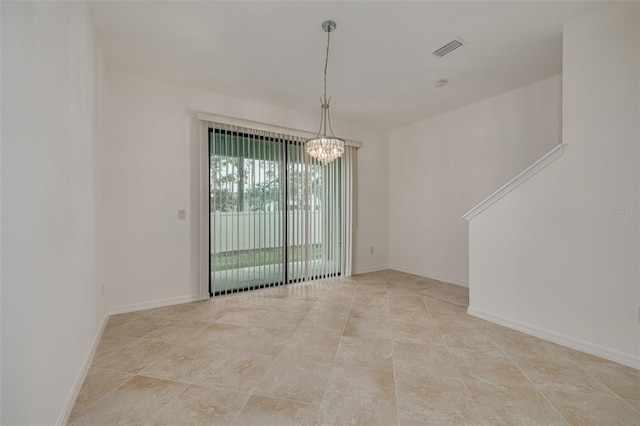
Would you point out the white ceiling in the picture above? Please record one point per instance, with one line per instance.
(381, 68)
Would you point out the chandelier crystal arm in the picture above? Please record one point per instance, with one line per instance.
(329, 120)
(321, 118)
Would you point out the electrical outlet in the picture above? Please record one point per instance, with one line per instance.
(182, 214)
(371, 249)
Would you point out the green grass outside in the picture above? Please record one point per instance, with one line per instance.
(259, 257)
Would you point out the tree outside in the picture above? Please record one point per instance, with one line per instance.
(256, 183)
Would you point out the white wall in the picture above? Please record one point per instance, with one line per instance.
(51, 206)
(0, 217)
(152, 171)
(547, 258)
(443, 166)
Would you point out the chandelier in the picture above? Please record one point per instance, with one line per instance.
(325, 148)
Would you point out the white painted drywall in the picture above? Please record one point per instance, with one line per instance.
(51, 205)
(443, 166)
(152, 171)
(549, 258)
(0, 216)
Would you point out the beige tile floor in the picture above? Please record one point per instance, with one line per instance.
(384, 348)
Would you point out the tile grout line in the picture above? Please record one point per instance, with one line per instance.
(464, 383)
(632, 407)
(253, 392)
(333, 362)
(530, 381)
(605, 386)
(157, 413)
(113, 351)
(104, 395)
(393, 357)
(333, 365)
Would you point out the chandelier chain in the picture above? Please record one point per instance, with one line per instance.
(326, 66)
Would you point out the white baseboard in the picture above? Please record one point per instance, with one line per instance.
(158, 303)
(63, 419)
(430, 275)
(371, 269)
(561, 339)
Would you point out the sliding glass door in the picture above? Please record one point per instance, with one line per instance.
(313, 216)
(275, 214)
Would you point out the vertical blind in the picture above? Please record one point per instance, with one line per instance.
(277, 216)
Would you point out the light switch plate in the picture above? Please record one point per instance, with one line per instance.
(182, 214)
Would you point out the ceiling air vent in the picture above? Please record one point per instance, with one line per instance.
(448, 48)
